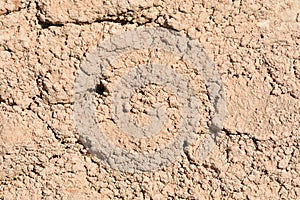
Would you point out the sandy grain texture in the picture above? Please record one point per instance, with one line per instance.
(255, 45)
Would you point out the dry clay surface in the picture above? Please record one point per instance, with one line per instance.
(255, 47)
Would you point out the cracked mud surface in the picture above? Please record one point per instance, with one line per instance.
(255, 47)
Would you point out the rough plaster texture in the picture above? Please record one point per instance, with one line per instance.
(123, 66)
(255, 47)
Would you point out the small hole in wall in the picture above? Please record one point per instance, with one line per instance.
(100, 89)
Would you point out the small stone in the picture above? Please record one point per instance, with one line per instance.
(284, 162)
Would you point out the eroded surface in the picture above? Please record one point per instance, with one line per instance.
(255, 47)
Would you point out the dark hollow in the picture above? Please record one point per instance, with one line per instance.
(100, 89)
